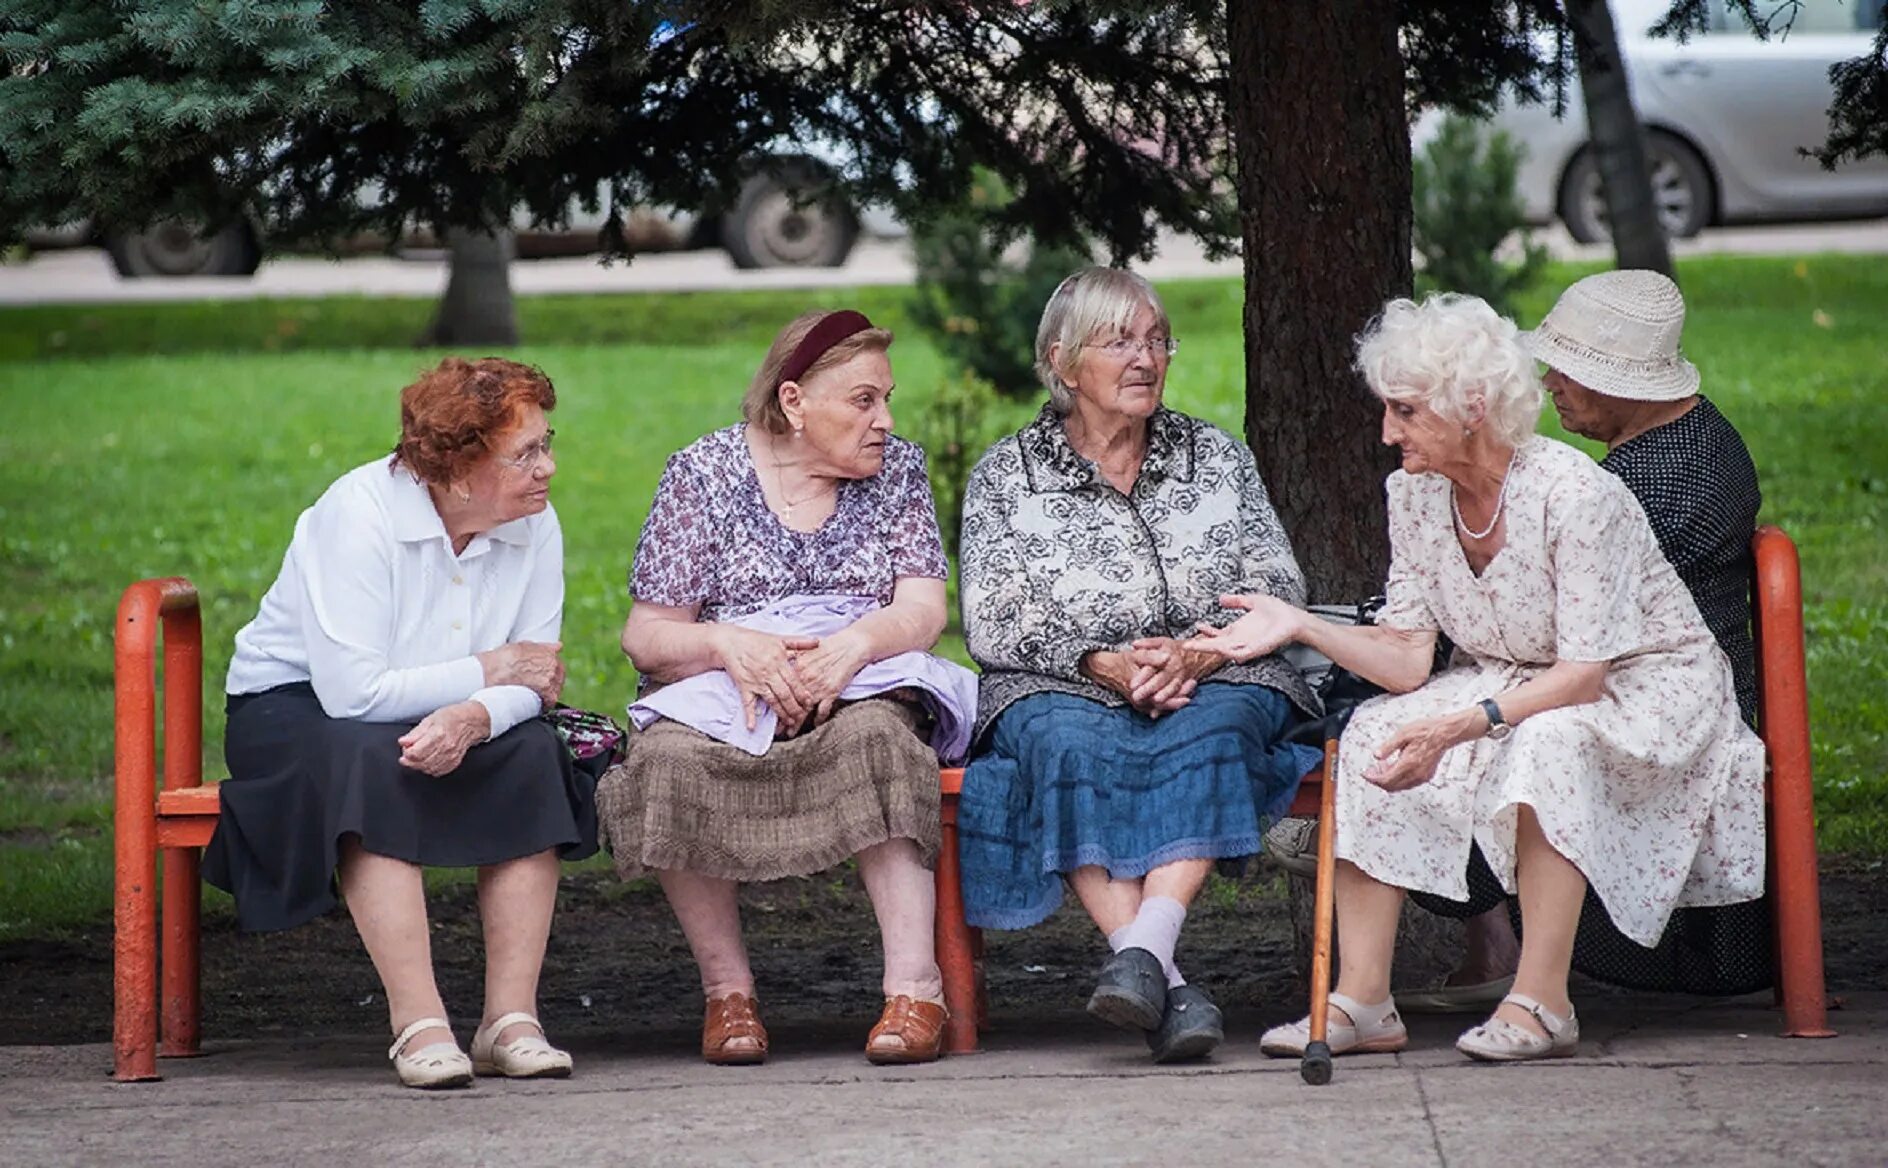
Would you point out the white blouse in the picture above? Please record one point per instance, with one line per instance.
(373, 608)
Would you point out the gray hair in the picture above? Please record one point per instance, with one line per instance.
(1453, 352)
(1089, 302)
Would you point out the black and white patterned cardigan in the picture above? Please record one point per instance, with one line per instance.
(1058, 563)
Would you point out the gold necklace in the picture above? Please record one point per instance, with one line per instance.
(780, 479)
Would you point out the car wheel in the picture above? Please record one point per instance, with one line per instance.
(1681, 190)
(175, 247)
(789, 218)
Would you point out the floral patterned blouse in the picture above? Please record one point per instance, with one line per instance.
(711, 540)
(1058, 563)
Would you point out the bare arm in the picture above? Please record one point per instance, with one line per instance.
(1396, 659)
(912, 622)
(666, 642)
(1409, 756)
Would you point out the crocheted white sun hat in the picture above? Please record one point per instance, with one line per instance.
(1617, 334)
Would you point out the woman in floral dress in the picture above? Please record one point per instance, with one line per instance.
(1586, 731)
(787, 561)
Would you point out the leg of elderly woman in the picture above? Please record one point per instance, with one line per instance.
(1110, 903)
(904, 897)
(1552, 890)
(516, 901)
(709, 910)
(388, 903)
(1367, 911)
(1116, 906)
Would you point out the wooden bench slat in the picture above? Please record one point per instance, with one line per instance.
(190, 801)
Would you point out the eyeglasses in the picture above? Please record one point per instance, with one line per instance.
(1127, 348)
(527, 459)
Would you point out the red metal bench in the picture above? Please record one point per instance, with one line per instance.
(178, 818)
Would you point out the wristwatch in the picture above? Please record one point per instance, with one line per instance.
(1498, 727)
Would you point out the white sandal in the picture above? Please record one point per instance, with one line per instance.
(441, 1064)
(530, 1057)
(1374, 1029)
(1501, 1041)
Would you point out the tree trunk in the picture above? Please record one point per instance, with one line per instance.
(1322, 145)
(1618, 140)
(477, 308)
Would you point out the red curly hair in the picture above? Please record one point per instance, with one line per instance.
(449, 417)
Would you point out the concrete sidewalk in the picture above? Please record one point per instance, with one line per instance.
(1658, 1082)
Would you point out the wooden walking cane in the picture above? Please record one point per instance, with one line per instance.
(1316, 1067)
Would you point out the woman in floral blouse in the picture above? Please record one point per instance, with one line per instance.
(1586, 732)
(1108, 755)
(808, 510)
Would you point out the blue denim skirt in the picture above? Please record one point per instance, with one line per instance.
(1064, 782)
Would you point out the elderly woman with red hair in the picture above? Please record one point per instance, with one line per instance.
(383, 715)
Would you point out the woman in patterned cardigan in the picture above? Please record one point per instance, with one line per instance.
(1107, 755)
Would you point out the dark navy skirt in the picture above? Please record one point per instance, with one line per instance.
(300, 781)
(1064, 782)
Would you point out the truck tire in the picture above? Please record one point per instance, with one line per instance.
(174, 247)
(789, 216)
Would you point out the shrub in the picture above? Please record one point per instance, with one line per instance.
(1466, 207)
(979, 304)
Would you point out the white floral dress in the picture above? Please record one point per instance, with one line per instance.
(1655, 791)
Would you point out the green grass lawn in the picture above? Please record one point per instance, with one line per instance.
(145, 440)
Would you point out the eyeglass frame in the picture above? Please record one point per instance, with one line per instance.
(528, 461)
(1128, 347)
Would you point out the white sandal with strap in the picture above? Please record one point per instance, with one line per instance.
(530, 1057)
(437, 1065)
(1501, 1041)
(1374, 1029)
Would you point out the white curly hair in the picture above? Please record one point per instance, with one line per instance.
(1453, 353)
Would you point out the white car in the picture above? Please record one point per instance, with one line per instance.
(1726, 117)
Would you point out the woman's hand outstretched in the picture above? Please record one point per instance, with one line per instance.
(1268, 624)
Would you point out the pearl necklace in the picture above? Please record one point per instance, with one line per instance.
(1501, 498)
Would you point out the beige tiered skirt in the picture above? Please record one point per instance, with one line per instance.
(680, 799)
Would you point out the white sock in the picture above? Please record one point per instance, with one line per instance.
(1156, 928)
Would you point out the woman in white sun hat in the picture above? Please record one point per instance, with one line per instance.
(1586, 731)
(1617, 376)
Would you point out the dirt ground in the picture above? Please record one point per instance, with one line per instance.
(618, 964)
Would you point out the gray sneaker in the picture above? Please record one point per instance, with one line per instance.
(1131, 992)
(1190, 1028)
(1292, 843)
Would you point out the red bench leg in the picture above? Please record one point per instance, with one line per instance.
(182, 1000)
(956, 943)
(1795, 888)
(134, 846)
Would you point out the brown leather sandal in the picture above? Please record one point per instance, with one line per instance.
(731, 1033)
(907, 1032)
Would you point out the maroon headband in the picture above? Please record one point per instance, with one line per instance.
(832, 328)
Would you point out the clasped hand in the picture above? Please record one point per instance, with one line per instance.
(1157, 675)
(437, 745)
(800, 677)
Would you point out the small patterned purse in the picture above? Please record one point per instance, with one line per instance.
(588, 735)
